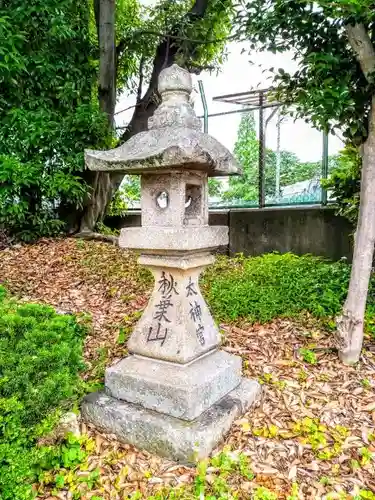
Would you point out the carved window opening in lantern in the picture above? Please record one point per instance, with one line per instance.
(193, 205)
(162, 200)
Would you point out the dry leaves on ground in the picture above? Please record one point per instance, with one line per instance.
(77, 276)
(315, 425)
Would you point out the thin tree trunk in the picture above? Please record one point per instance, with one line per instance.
(351, 322)
(100, 182)
(107, 67)
(278, 156)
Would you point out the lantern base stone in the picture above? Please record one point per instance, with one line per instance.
(181, 391)
(168, 436)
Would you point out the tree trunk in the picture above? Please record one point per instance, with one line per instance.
(100, 182)
(351, 322)
(104, 185)
(107, 67)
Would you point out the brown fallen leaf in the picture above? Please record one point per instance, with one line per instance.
(312, 466)
(292, 473)
(263, 469)
(370, 407)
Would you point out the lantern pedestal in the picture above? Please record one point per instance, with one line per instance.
(176, 325)
(181, 391)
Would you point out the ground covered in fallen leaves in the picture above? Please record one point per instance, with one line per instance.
(312, 435)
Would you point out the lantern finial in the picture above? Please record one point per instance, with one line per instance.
(174, 79)
(175, 110)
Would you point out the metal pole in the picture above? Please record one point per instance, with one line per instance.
(269, 118)
(204, 103)
(325, 166)
(261, 151)
(242, 110)
(278, 156)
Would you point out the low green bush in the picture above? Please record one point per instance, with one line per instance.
(273, 285)
(40, 361)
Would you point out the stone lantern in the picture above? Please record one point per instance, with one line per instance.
(176, 394)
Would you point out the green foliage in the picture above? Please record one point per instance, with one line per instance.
(40, 358)
(126, 195)
(262, 493)
(48, 115)
(214, 187)
(128, 19)
(344, 183)
(246, 151)
(273, 285)
(328, 87)
(166, 16)
(29, 198)
(326, 441)
(103, 229)
(48, 97)
(365, 494)
(296, 171)
(308, 356)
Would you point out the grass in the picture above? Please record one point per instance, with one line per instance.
(260, 289)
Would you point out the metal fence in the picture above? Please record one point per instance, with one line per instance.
(284, 160)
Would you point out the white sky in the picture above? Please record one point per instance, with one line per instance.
(239, 74)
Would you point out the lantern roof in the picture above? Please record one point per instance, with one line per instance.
(174, 139)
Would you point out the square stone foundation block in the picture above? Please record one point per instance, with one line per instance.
(167, 436)
(182, 391)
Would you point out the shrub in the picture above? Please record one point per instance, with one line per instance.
(48, 114)
(40, 360)
(273, 285)
(344, 183)
(30, 198)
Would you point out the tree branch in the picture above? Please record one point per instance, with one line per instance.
(363, 48)
(122, 44)
(164, 56)
(198, 9)
(140, 83)
(91, 235)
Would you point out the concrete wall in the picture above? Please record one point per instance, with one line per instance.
(301, 230)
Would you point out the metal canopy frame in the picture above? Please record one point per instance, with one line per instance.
(256, 100)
